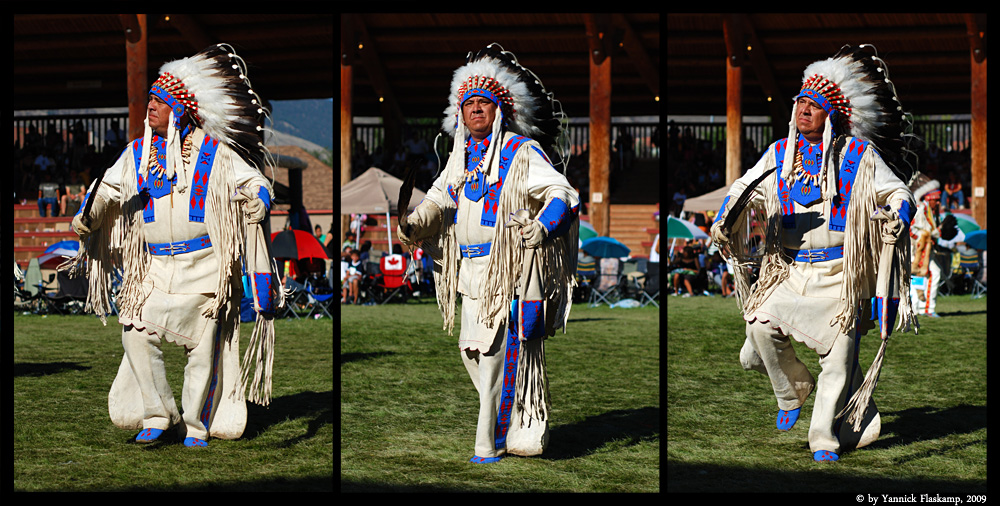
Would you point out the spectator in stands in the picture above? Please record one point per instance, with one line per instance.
(349, 242)
(70, 202)
(44, 162)
(352, 280)
(953, 196)
(48, 195)
(686, 267)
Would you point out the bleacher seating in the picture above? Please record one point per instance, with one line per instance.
(32, 234)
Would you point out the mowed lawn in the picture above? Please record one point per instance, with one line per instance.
(721, 433)
(409, 409)
(64, 439)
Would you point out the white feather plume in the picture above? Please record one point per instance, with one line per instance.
(525, 106)
(203, 78)
(854, 83)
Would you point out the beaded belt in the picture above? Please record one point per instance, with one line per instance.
(475, 250)
(817, 255)
(180, 247)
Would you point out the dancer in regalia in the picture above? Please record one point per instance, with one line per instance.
(933, 240)
(843, 161)
(501, 225)
(180, 216)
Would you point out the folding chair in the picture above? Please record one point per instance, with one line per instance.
(635, 274)
(25, 299)
(606, 288)
(71, 296)
(320, 299)
(44, 299)
(395, 278)
(651, 285)
(974, 273)
(585, 274)
(296, 300)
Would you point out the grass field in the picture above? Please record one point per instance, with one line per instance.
(64, 439)
(931, 395)
(409, 409)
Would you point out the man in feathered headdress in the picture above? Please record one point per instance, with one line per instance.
(501, 225)
(822, 275)
(933, 239)
(179, 217)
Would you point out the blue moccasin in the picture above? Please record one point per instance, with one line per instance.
(148, 435)
(484, 460)
(193, 442)
(786, 419)
(825, 455)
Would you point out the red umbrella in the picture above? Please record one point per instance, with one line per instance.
(297, 244)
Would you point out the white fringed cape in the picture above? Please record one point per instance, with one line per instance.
(555, 259)
(119, 244)
(862, 243)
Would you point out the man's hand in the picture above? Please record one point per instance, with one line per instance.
(253, 206)
(532, 231)
(421, 224)
(84, 229)
(255, 209)
(81, 230)
(892, 226)
(403, 238)
(719, 236)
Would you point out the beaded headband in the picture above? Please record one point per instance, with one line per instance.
(485, 87)
(827, 94)
(173, 92)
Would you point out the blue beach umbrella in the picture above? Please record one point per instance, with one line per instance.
(976, 239)
(606, 247)
(57, 253)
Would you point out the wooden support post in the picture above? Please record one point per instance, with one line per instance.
(134, 26)
(600, 145)
(734, 122)
(732, 27)
(346, 130)
(977, 197)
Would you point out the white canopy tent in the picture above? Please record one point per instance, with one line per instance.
(375, 192)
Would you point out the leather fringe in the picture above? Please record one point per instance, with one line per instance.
(532, 396)
(260, 355)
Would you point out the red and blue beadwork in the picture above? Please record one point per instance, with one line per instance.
(262, 283)
(485, 87)
(827, 94)
(175, 94)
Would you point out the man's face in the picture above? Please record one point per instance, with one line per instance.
(809, 119)
(479, 113)
(158, 113)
